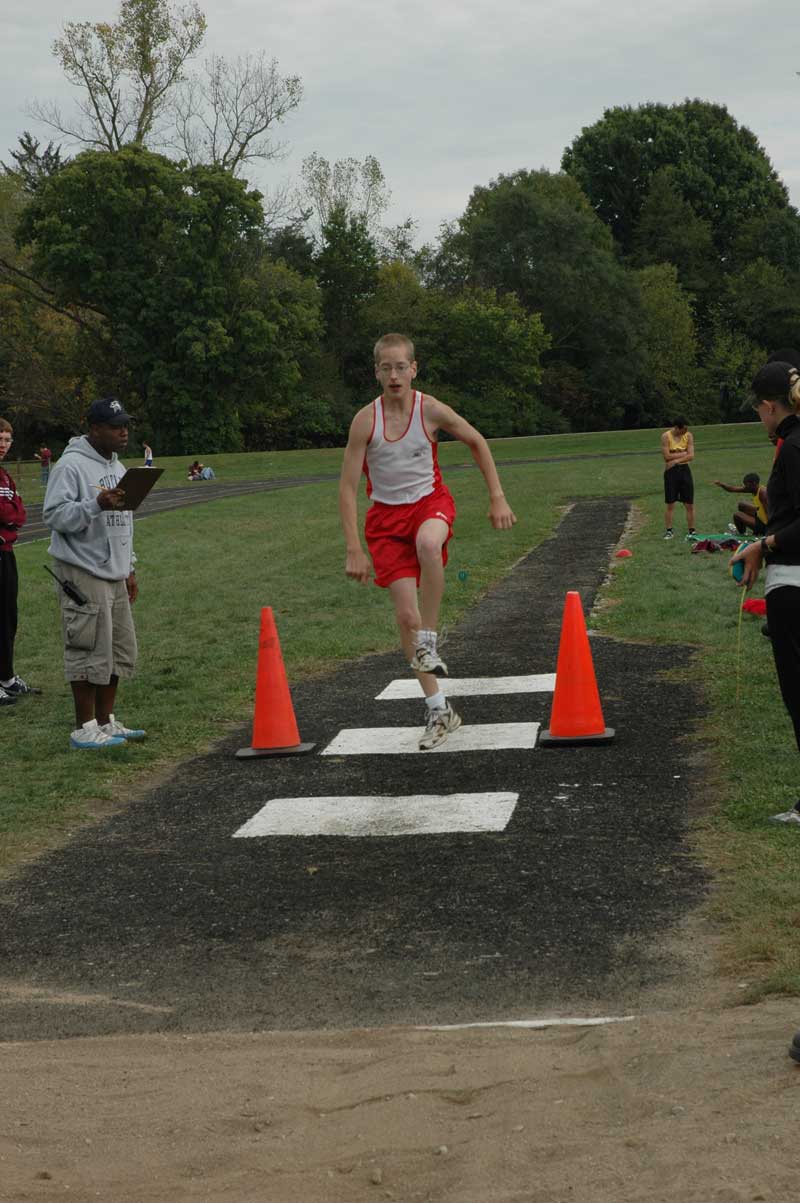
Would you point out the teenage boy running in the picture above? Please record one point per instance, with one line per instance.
(410, 521)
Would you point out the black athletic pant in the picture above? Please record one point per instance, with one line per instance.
(8, 613)
(783, 619)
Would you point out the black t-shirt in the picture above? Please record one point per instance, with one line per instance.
(783, 493)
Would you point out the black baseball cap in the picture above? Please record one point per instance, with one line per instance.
(108, 411)
(786, 355)
(771, 383)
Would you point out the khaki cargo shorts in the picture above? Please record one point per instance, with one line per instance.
(99, 637)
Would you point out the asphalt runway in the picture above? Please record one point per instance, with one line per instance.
(161, 919)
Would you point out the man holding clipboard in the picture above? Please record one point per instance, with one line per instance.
(88, 511)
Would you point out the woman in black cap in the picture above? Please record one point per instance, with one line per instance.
(777, 403)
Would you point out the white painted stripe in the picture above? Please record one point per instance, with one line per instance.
(417, 814)
(529, 1023)
(391, 741)
(461, 687)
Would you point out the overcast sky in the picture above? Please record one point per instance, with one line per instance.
(449, 93)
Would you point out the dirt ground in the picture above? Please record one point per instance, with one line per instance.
(696, 1106)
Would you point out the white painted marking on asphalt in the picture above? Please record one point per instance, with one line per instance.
(392, 741)
(372, 815)
(529, 1023)
(461, 687)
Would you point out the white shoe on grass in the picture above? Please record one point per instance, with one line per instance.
(92, 738)
(115, 727)
(788, 818)
(441, 722)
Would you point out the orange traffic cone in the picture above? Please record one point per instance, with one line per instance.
(576, 716)
(274, 726)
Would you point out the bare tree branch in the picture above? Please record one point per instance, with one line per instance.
(357, 188)
(226, 116)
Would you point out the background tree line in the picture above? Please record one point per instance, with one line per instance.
(649, 275)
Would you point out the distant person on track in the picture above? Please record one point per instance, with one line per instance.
(92, 545)
(12, 518)
(410, 521)
(750, 517)
(45, 458)
(148, 455)
(677, 448)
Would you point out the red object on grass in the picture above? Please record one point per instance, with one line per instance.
(755, 605)
(623, 553)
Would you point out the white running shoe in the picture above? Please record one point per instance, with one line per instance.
(788, 817)
(426, 660)
(91, 737)
(115, 727)
(440, 723)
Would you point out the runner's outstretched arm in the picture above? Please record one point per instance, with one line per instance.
(357, 564)
(439, 416)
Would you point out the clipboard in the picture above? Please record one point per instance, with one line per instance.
(136, 484)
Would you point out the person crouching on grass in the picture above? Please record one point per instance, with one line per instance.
(410, 521)
(750, 516)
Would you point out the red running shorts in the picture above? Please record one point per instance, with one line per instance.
(391, 534)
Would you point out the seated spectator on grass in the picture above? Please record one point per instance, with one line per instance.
(207, 473)
(751, 515)
(195, 469)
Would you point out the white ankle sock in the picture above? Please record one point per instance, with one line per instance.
(5, 684)
(426, 639)
(436, 702)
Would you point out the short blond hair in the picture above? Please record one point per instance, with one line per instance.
(394, 340)
(6, 427)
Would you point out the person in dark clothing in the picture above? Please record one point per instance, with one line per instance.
(12, 517)
(777, 402)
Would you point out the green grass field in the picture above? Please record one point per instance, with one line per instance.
(205, 574)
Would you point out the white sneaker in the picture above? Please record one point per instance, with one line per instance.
(92, 737)
(114, 727)
(788, 817)
(440, 723)
(426, 660)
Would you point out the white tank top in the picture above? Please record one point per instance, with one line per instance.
(401, 471)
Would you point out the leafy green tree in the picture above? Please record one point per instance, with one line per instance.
(478, 351)
(730, 363)
(773, 236)
(761, 301)
(669, 383)
(161, 255)
(718, 167)
(534, 234)
(669, 231)
(347, 271)
(32, 164)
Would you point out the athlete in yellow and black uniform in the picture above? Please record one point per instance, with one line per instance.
(677, 448)
(751, 514)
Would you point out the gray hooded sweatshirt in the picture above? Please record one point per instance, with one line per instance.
(100, 541)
